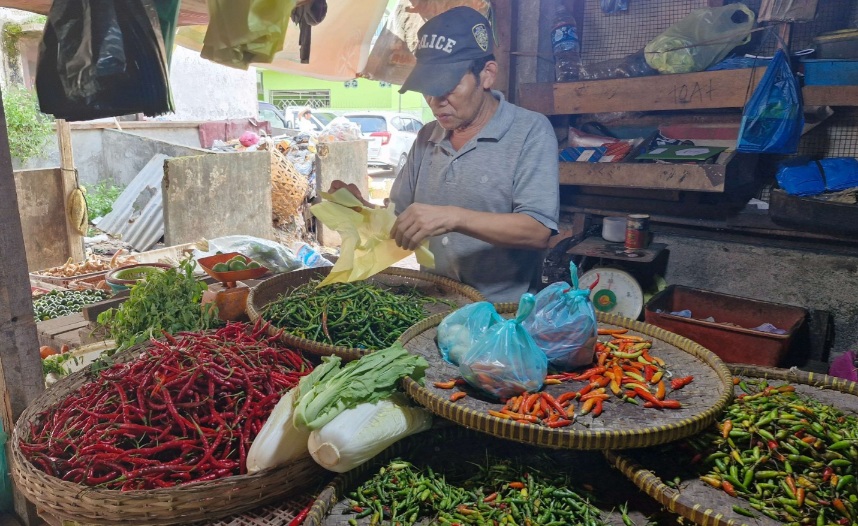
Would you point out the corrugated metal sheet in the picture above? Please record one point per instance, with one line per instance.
(138, 214)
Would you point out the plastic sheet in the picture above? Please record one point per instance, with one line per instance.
(701, 39)
(802, 177)
(367, 247)
(270, 254)
(245, 31)
(103, 58)
(505, 361)
(773, 119)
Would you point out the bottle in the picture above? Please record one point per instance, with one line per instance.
(311, 258)
(565, 45)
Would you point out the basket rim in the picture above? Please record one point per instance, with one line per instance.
(573, 438)
(103, 506)
(346, 353)
(651, 484)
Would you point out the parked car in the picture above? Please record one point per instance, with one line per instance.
(288, 119)
(390, 134)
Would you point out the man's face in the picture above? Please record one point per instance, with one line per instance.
(458, 108)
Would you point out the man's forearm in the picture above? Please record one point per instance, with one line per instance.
(502, 230)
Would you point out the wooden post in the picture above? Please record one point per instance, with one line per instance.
(69, 178)
(20, 365)
(503, 24)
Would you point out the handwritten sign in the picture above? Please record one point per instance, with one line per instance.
(692, 92)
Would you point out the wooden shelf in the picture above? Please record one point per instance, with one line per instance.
(684, 177)
(687, 91)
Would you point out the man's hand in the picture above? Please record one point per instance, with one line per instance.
(420, 221)
(337, 184)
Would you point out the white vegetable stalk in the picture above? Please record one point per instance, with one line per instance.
(358, 434)
(279, 441)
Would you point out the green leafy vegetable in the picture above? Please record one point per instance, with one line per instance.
(166, 301)
(329, 389)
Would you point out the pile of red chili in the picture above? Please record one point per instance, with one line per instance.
(186, 410)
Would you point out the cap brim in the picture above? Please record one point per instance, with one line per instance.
(434, 80)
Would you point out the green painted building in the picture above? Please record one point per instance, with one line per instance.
(283, 90)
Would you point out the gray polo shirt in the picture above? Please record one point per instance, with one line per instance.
(509, 167)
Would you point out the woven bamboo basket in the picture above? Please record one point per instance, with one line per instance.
(468, 447)
(288, 187)
(621, 426)
(696, 500)
(184, 504)
(428, 284)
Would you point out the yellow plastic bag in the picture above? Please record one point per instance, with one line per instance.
(244, 31)
(367, 248)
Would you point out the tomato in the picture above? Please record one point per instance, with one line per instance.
(47, 350)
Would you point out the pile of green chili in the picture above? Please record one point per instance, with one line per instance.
(501, 491)
(357, 315)
(791, 458)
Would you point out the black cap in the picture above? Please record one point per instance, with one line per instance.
(447, 45)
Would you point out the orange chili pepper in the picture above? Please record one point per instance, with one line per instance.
(491, 497)
(791, 483)
(840, 506)
(604, 332)
(516, 485)
(552, 381)
(537, 406)
(587, 406)
(726, 427)
(559, 423)
(736, 380)
(523, 421)
(519, 416)
(679, 383)
(499, 414)
(800, 495)
(458, 396)
(615, 387)
(649, 372)
(597, 408)
(664, 404)
(602, 382)
(446, 385)
(565, 397)
(516, 404)
(728, 488)
(527, 405)
(552, 403)
(659, 390)
(589, 373)
(601, 357)
(656, 377)
(629, 337)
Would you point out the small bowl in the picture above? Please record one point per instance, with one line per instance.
(125, 277)
(229, 277)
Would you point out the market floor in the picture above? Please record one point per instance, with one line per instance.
(8, 520)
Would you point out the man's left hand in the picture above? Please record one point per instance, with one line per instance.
(420, 221)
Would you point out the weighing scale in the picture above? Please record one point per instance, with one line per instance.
(617, 290)
(230, 294)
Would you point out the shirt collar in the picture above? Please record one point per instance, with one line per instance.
(496, 128)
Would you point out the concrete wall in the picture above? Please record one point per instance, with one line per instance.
(814, 280)
(125, 154)
(203, 90)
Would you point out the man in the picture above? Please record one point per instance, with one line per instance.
(481, 181)
(305, 125)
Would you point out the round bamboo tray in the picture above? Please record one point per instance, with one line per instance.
(696, 500)
(182, 504)
(447, 441)
(621, 425)
(428, 284)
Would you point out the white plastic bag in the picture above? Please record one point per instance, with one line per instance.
(270, 254)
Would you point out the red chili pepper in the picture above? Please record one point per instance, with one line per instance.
(840, 507)
(299, 519)
(559, 423)
(646, 395)
(458, 395)
(516, 485)
(728, 488)
(554, 405)
(679, 383)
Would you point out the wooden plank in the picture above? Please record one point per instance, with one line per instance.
(69, 182)
(20, 366)
(503, 45)
(689, 177)
(658, 195)
(687, 91)
(43, 221)
(830, 95)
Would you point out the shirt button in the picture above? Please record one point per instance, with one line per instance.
(445, 241)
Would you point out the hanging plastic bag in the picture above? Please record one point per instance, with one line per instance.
(168, 15)
(102, 58)
(241, 32)
(701, 39)
(773, 118)
(505, 361)
(367, 247)
(462, 328)
(563, 324)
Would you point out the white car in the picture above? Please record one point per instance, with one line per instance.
(390, 136)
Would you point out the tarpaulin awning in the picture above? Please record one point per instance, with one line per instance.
(191, 12)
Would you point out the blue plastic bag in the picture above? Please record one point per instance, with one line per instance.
(614, 6)
(803, 177)
(462, 328)
(773, 118)
(563, 324)
(505, 361)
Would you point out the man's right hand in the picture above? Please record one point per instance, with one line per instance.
(351, 187)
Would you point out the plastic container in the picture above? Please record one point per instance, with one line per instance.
(127, 276)
(734, 344)
(566, 45)
(830, 72)
(837, 44)
(310, 257)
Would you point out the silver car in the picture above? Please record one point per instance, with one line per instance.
(390, 136)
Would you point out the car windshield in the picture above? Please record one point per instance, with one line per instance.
(369, 123)
(324, 117)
